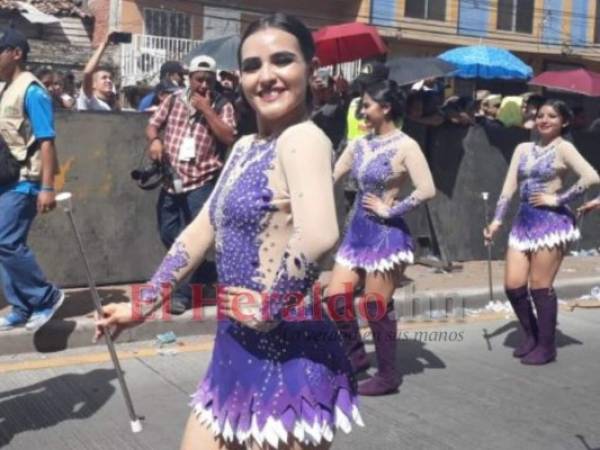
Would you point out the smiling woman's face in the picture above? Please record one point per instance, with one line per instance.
(549, 122)
(274, 78)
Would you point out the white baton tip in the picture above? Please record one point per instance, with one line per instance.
(63, 197)
(136, 426)
(485, 195)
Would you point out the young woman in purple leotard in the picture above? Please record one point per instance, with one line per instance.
(543, 227)
(272, 383)
(377, 244)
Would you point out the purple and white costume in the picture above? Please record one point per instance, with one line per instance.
(380, 164)
(535, 169)
(271, 216)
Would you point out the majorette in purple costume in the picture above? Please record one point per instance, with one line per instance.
(536, 169)
(294, 380)
(379, 164)
(542, 228)
(279, 375)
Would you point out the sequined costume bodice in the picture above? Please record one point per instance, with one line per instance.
(535, 169)
(380, 165)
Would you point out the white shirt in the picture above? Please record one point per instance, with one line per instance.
(93, 103)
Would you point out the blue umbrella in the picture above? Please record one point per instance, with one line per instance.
(480, 61)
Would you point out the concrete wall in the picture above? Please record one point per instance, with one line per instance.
(468, 161)
(115, 218)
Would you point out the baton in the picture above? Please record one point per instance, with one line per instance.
(64, 200)
(485, 196)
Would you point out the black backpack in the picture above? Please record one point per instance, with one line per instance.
(10, 167)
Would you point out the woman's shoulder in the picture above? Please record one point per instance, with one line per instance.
(407, 146)
(304, 133)
(524, 147)
(307, 128)
(408, 142)
(244, 140)
(566, 146)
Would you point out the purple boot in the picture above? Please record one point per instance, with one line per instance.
(546, 305)
(519, 299)
(345, 320)
(385, 332)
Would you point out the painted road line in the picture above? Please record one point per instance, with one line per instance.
(99, 357)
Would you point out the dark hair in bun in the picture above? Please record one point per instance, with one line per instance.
(388, 93)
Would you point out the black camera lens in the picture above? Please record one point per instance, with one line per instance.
(145, 173)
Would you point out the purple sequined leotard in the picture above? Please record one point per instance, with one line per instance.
(271, 216)
(535, 169)
(380, 164)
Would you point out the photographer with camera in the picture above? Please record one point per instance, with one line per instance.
(199, 124)
(98, 91)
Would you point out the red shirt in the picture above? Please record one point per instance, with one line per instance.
(182, 121)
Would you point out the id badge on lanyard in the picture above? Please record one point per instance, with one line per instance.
(187, 149)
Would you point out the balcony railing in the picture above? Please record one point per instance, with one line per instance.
(141, 60)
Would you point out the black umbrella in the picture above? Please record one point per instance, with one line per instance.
(223, 50)
(406, 70)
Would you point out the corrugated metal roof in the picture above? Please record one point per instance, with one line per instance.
(59, 8)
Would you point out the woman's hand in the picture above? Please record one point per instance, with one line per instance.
(589, 206)
(245, 306)
(490, 231)
(116, 317)
(375, 205)
(541, 199)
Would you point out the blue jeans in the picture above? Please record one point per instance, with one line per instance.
(175, 212)
(23, 283)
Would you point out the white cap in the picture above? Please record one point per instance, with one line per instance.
(203, 63)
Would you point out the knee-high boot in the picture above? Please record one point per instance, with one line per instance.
(346, 323)
(519, 299)
(385, 332)
(546, 305)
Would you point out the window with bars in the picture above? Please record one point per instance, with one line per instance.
(161, 22)
(515, 15)
(426, 9)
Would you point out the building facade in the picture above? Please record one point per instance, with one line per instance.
(60, 37)
(547, 34)
(169, 29)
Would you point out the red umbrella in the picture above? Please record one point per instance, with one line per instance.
(347, 42)
(579, 81)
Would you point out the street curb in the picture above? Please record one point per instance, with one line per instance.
(74, 332)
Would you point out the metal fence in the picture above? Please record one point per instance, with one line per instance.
(141, 60)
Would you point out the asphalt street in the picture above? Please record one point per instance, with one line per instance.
(461, 389)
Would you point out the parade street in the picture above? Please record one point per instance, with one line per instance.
(461, 390)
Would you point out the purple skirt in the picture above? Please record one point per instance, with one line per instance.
(294, 381)
(374, 244)
(535, 228)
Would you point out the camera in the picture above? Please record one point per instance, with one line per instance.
(153, 175)
(120, 37)
(155, 169)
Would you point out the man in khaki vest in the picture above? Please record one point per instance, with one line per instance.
(27, 128)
